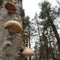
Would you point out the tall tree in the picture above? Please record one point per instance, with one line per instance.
(49, 15)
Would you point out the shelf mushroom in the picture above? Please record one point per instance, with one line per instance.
(11, 7)
(26, 35)
(28, 52)
(13, 26)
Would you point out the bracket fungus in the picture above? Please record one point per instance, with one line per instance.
(11, 7)
(28, 52)
(26, 35)
(13, 26)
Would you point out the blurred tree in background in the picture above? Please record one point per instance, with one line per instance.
(48, 45)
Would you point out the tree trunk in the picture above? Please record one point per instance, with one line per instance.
(56, 35)
(55, 32)
(14, 50)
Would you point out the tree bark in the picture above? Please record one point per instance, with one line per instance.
(56, 35)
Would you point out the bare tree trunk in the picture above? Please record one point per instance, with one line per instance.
(38, 33)
(56, 35)
(55, 32)
(52, 53)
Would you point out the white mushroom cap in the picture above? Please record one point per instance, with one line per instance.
(28, 52)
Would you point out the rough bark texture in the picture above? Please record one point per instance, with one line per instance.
(13, 50)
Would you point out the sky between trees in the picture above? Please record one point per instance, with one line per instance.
(31, 6)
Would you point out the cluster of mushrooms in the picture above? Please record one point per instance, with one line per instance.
(13, 27)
